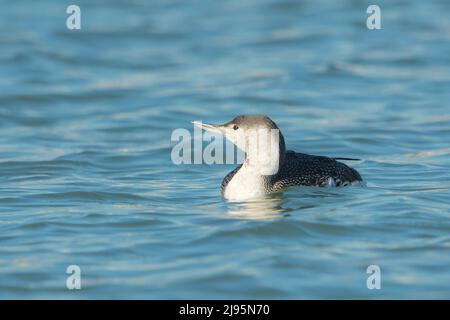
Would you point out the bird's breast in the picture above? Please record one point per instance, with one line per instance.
(245, 184)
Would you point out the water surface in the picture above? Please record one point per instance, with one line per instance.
(86, 178)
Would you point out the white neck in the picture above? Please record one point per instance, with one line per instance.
(262, 149)
(263, 152)
(251, 179)
(246, 183)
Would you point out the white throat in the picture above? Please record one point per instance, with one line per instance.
(262, 160)
(262, 149)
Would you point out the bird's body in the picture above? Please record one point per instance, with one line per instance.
(255, 177)
(297, 169)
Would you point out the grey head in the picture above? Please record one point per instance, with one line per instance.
(241, 131)
(253, 122)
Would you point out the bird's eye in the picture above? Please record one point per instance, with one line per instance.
(235, 127)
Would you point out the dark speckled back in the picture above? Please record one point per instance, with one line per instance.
(310, 170)
(299, 169)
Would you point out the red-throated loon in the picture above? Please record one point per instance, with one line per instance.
(268, 167)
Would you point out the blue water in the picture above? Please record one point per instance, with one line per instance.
(86, 176)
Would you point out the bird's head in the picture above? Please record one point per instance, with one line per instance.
(257, 135)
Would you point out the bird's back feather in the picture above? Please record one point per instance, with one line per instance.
(310, 170)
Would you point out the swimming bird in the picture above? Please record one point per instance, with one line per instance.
(268, 166)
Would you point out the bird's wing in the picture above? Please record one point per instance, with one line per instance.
(229, 176)
(311, 170)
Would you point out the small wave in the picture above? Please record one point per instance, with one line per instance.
(88, 196)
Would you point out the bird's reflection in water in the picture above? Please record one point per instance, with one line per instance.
(267, 208)
(279, 205)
